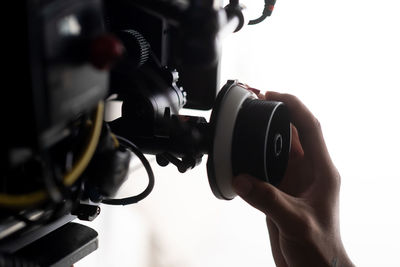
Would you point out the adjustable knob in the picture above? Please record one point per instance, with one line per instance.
(250, 136)
(137, 50)
(261, 140)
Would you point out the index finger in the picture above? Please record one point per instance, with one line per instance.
(309, 128)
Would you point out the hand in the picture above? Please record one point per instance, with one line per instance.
(303, 212)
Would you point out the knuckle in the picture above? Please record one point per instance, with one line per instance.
(338, 179)
(269, 200)
(317, 124)
(334, 179)
(290, 99)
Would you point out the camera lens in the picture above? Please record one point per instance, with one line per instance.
(249, 136)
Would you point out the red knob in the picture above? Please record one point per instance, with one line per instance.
(105, 50)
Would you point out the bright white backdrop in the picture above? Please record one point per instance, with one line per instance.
(342, 58)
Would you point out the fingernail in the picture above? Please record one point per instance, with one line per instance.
(242, 185)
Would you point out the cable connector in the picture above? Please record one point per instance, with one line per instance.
(269, 6)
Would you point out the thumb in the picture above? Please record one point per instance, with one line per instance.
(266, 198)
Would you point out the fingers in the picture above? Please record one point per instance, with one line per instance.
(266, 198)
(309, 129)
(296, 151)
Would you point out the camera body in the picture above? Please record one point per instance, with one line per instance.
(51, 71)
(61, 160)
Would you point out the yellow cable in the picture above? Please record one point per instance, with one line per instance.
(22, 201)
(116, 142)
(31, 199)
(76, 171)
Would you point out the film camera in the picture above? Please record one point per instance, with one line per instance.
(60, 159)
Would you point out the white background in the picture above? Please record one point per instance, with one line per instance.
(342, 58)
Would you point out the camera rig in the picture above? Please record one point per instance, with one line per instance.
(60, 159)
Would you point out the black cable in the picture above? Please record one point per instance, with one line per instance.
(134, 199)
(268, 8)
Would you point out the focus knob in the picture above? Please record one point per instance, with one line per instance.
(137, 50)
(261, 140)
(248, 136)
